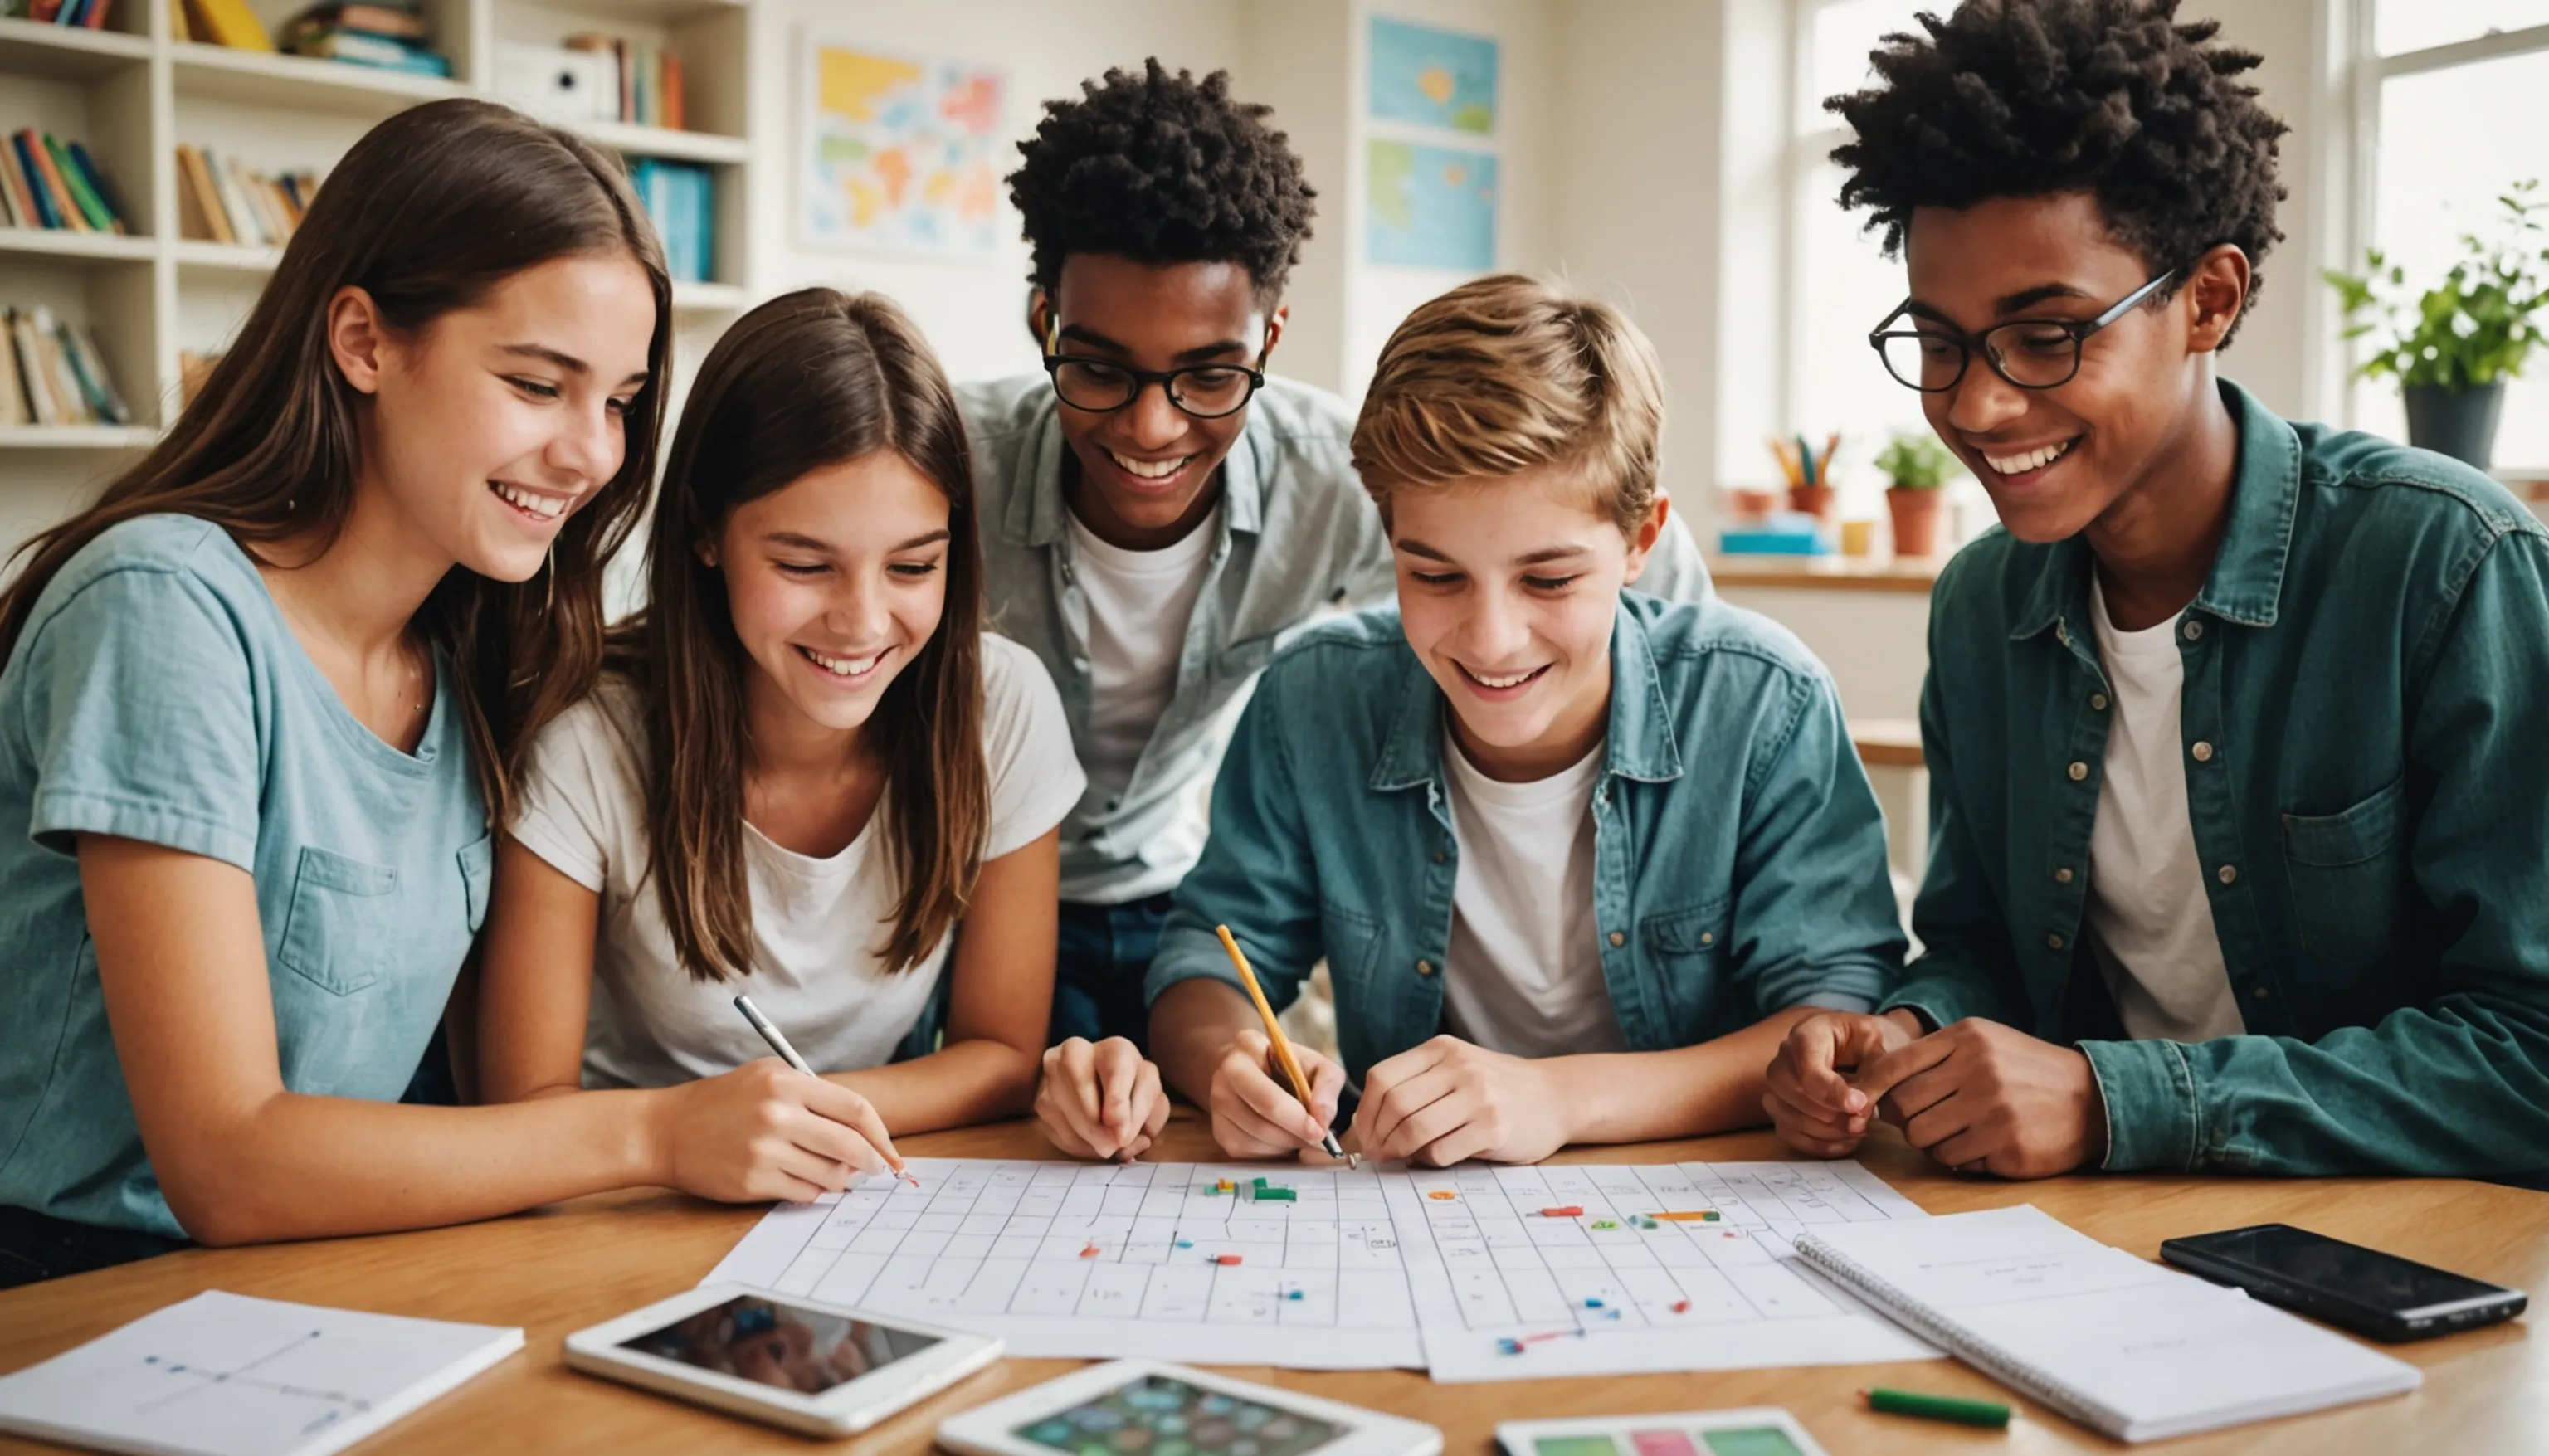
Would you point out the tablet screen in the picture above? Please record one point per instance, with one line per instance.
(1160, 1415)
(770, 1343)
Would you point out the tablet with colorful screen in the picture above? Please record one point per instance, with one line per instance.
(1760, 1431)
(1140, 1407)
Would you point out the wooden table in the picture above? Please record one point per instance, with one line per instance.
(560, 1269)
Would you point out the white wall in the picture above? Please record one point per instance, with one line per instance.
(974, 316)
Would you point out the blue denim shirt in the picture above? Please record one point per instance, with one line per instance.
(2367, 684)
(1740, 856)
(1297, 537)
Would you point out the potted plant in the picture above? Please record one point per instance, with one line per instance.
(2454, 345)
(1915, 466)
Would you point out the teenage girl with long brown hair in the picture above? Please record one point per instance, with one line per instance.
(809, 764)
(262, 702)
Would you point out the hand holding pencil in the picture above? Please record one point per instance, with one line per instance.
(1268, 1096)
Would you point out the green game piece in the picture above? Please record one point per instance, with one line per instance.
(1604, 1223)
(1276, 1195)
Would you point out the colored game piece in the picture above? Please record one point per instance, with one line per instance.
(1442, 1195)
(1294, 1295)
(1185, 1243)
(1604, 1223)
(1681, 1306)
(1569, 1210)
(1261, 1182)
(1592, 1304)
(1089, 1252)
(1648, 1224)
(1225, 1186)
(1227, 1258)
(1276, 1195)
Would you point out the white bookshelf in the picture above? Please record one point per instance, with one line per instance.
(133, 92)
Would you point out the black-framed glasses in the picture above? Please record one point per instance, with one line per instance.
(2030, 353)
(1103, 386)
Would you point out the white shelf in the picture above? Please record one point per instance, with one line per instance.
(76, 436)
(658, 142)
(257, 78)
(59, 243)
(227, 258)
(67, 53)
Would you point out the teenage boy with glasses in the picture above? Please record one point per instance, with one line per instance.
(2233, 730)
(1157, 510)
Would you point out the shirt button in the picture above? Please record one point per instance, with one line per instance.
(1424, 967)
(2228, 874)
(2077, 771)
(2257, 993)
(1438, 856)
(2052, 943)
(2098, 700)
(1708, 938)
(2062, 876)
(2203, 752)
(2194, 631)
(2062, 634)
(1618, 938)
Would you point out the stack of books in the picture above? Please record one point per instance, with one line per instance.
(223, 202)
(680, 199)
(387, 34)
(650, 79)
(52, 374)
(46, 182)
(89, 13)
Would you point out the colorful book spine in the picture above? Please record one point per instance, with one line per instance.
(37, 192)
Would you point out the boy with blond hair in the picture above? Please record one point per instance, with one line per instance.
(1576, 857)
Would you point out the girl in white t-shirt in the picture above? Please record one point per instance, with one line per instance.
(808, 764)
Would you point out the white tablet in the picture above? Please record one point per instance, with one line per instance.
(809, 1366)
(1126, 1406)
(1758, 1430)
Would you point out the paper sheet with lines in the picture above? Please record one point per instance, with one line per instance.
(1524, 1272)
(1110, 1260)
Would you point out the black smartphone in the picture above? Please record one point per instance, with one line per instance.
(2345, 1284)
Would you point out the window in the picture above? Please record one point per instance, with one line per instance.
(1839, 283)
(2456, 93)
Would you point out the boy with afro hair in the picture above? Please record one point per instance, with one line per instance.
(2233, 727)
(1158, 510)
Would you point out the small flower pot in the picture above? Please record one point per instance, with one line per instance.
(2459, 424)
(1814, 501)
(1750, 503)
(1915, 519)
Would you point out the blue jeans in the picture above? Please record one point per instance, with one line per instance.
(1097, 970)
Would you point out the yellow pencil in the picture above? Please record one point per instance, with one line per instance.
(1282, 1043)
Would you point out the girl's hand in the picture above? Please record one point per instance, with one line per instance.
(1100, 1101)
(767, 1131)
(1449, 1100)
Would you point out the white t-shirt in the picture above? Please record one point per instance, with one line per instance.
(818, 925)
(1138, 606)
(2151, 921)
(1524, 974)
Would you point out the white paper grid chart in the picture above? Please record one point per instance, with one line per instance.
(1111, 1260)
(1616, 1290)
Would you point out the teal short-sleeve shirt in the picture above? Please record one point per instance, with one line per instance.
(157, 694)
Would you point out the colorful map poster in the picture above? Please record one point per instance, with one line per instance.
(899, 154)
(1432, 207)
(1432, 78)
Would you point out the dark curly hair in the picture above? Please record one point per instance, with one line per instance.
(1162, 169)
(2022, 98)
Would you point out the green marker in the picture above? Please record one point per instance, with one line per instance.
(1989, 1413)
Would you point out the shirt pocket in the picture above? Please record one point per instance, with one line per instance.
(334, 932)
(1352, 940)
(1686, 953)
(477, 874)
(2349, 878)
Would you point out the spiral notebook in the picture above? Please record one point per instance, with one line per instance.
(2117, 1343)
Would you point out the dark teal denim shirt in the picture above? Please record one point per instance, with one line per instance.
(1740, 856)
(2365, 735)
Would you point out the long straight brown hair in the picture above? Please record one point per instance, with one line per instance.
(809, 380)
(428, 213)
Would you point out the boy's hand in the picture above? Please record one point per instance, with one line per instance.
(1982, 1097)
(1449, 1100)
(1100, 1101)
(1254, 1110)
(1811, 1101)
